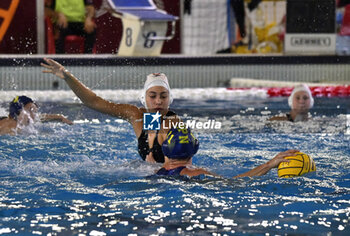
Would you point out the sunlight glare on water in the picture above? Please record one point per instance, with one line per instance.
(88, 178)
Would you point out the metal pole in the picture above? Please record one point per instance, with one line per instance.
(40, 25)
(181, 16)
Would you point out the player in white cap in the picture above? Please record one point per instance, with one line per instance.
(156, 98)
(300, 102)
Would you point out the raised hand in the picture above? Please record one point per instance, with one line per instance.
(89, 25)
(53, 67)
(62, 20)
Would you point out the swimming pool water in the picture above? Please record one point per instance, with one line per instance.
(88, 178)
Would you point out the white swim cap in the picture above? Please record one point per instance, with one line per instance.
(155, 79)
(298, 88)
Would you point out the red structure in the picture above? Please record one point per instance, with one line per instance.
(317, 91)
(345, 27)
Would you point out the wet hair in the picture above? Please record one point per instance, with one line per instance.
(17, 104)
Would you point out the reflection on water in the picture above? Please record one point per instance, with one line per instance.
(88, 179)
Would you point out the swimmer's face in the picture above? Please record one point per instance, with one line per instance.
(157, 99)
(28, 114)
(301, 101)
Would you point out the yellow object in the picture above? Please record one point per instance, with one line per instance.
(74, 10)
(297, 166)
(242, 49)
(15, 99)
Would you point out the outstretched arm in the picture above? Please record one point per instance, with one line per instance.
(55, 117)
(273, 163)
(89, 98)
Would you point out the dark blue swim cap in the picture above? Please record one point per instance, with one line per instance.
(17, 105)
(180, 144)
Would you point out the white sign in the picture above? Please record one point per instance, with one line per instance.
(310, 44)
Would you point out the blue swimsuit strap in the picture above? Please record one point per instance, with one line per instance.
(171, 172)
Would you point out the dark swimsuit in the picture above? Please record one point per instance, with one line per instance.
(143, 146)
(289, 117)
(172, 172)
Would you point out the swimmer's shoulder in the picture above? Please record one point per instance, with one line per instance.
(125, 111)
(5, 121)
(7, 126)
(279, 118)
(192, 172)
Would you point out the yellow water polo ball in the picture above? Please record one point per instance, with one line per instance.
(298, 165)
